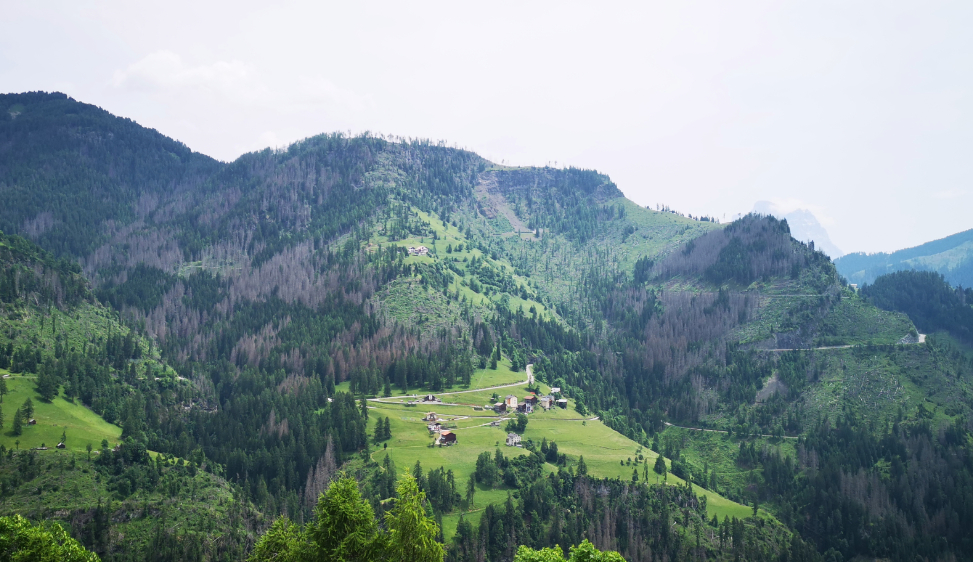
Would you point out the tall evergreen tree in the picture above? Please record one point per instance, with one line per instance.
(345, 527)
(47, 383)
(660, 465)
(411, 533)
(470, 491)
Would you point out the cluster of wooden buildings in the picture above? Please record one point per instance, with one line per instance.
(434, 425)
(420, 251)
(427, 399)
(443, 436)
(511, 404)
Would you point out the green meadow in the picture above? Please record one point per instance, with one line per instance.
(482, 378)
(81, 425)
(503, 374)
(607, 453)
(718, 452)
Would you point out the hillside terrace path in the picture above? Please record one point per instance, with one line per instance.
(922, 339)
(529, 381)
(719, 430)
(502, 419)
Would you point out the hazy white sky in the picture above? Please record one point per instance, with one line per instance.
(858, 111)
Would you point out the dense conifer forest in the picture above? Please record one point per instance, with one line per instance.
(236, 355)
(928, 299)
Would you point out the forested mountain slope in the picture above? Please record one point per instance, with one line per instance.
(82, 399)
(928, 299)
(71, 172)
(289, 286)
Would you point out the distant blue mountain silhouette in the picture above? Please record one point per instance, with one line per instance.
(951, 256)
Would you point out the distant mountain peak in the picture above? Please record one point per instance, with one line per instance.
(804, 226)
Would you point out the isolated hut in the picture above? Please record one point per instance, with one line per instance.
(446, 438)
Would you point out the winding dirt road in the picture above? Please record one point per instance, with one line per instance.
(718, 430)
(396, 400)
(922, 339)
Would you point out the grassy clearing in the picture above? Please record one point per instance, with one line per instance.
(410, 303)
(402, 299)
(557, 263)
(66, 487)
(780, 304)
(38, 328)
(785, 304)
(654, 232)
(482, 378)
(913, 379)
(81, 425)
(718, 451)
(503, 374)
(853, 321)
(79, 488)
(411, 443)
(605, 451)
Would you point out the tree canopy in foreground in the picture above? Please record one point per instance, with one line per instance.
(585, 552)
(22, 541)
(344, 528)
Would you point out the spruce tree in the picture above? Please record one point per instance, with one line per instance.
(419, 478)
(411, 533)
(46, 384)
(660, 465)
(344, 526)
